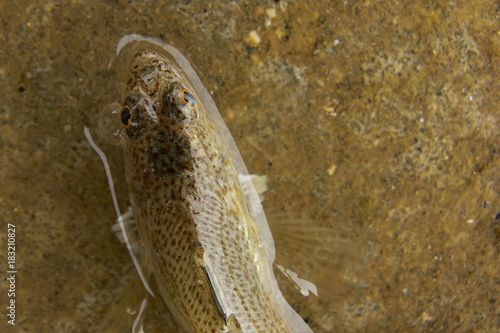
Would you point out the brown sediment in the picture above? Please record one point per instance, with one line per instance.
(400, 97)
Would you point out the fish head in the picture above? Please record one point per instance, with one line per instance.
(158, 115)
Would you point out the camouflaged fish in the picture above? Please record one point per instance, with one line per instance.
(210, 247)
(202, 228)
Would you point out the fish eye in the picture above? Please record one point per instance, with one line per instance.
(188, 98)
(126, 116)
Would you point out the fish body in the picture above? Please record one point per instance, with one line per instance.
(206, 239)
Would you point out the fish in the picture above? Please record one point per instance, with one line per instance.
(206, 243)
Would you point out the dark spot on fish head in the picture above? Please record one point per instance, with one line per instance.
(158, 143)
(169, 146)
(170, 151)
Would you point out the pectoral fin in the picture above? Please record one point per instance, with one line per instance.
(313, 257)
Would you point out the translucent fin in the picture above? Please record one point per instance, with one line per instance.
(133, 309)
(259, 183)
(117, 208)
(310, 256)
(132, 232)
(304, 286)
(126, 312)
(138, 326)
